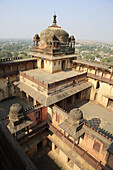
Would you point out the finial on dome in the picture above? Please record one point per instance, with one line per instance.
(54, 19)
(54, 22)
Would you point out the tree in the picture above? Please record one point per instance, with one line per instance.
(98, 56)
(24, 53)
(15, 54)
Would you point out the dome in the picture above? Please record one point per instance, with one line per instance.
(54, 31)
(16, 109)
(76, 114)
(59, 33)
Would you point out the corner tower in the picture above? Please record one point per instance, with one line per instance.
(54, 49)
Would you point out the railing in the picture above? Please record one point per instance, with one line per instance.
(67, 80)
(33, 133)
(34, 80)
(77, 148)
(107, 80)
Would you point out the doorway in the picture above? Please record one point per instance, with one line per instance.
(42, 63)
(63, 65)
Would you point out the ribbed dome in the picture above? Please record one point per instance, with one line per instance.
(76, 114)
(59, 33)
(16, 109)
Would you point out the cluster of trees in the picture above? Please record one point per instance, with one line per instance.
(4, 53)
(107, 59)
(15, 48)
(7, 54)
(100, 51)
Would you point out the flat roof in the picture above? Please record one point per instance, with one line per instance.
(48, 78)
(96, 115)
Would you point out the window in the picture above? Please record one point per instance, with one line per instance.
(97, 145)
(38, 115)
(54, 63)
(59, 62)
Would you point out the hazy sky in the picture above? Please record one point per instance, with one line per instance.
(86, 19)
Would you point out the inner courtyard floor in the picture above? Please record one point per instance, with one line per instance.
(42, 161)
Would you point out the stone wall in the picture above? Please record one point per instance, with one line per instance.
(95, 144)
(13, 151)
(9, 73)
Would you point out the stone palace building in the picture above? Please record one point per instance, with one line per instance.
(56, 105)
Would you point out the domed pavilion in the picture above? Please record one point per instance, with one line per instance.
(17, 119)
(74, 123)
(54, 49)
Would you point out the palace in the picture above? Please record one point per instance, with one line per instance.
(57, 106)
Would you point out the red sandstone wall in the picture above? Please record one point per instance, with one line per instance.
(44, 113)
(21, 66)
(110, 161)
(29, 65)
(88, 144)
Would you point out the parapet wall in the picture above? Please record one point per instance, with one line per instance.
(10, 59)
(14, 152)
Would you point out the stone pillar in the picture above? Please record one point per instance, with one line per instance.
(25, 66)
(110, 76)
(27, 129)
(27, 97)
(53, 146)
(73, 99)
(102, 74)
(44, 142)
(34, 102)
(95, 70)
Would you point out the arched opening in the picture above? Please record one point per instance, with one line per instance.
(42, 63)
(63, 65)
(98, 85)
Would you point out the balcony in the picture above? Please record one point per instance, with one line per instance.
(100, 78)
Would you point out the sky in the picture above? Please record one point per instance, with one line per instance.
(85, 19)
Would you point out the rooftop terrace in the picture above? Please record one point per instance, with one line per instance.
(49, 78)
(96, 115)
